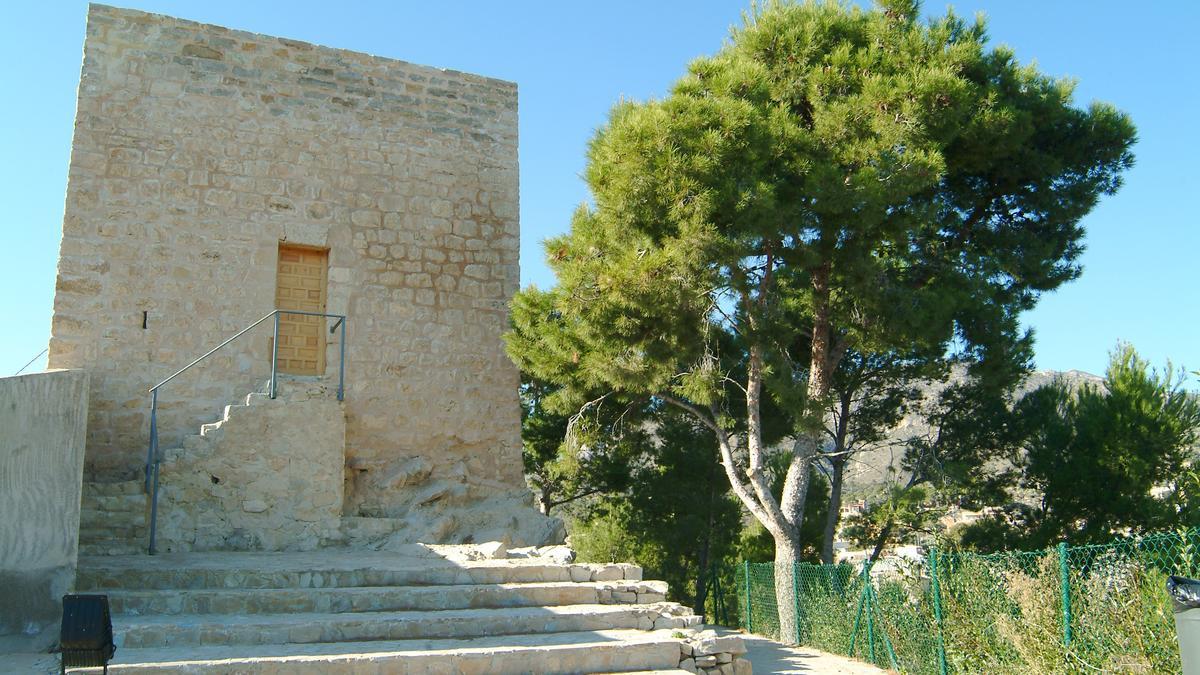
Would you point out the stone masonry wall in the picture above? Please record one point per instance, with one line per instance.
(268, 476)
(197, 150)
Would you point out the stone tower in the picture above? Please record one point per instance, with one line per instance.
(217, 175)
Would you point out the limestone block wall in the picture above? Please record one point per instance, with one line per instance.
(267, 477)
(42, 426)
(198, 150)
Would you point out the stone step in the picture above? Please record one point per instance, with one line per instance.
(383, 599)
(211, 429)
(263, 629)
(112, 530)
(89, 518)
(600, 651)
(322, 570)
(129, 487)
(119, 499)
(116, 526)
(106, 507)
(234, 410)
(358, 528)
(112, 547)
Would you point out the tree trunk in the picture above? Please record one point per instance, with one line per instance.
(834, 517)
(882, 540)
(545, 498)
(823, 359)
(787, 554)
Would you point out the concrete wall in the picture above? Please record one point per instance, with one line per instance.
(197, 150)
(42, 429)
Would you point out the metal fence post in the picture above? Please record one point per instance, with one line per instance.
(714, 592)
(887, 642)
(749, 612)
(862, 600)
(935, 589)
(796, 597)
(870, 623)
(1064, 572)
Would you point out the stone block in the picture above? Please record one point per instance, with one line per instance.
(608, 573)
(710, 643)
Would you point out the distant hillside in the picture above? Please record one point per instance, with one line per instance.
(873, 468)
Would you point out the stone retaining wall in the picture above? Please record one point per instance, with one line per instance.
(268, 477)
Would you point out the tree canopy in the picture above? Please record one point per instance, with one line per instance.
(1098, 460)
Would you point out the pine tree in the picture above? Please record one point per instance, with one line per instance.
(834, 178)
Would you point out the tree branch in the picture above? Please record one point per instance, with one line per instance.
(696, 412)
(568, 500)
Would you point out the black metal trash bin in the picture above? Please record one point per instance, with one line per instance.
(1185, 600)
(86, 637)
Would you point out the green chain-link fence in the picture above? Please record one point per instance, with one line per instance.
(1067, 609)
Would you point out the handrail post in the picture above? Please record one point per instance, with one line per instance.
(342, 364)
(274, 354)
(152, 463)
(153, 435)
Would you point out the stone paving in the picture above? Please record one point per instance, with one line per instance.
(768, 658)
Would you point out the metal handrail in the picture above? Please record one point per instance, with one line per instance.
(39, 355)
(154, 458)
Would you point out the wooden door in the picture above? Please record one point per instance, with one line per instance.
(300, 284)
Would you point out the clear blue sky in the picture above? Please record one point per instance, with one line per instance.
(572, 61)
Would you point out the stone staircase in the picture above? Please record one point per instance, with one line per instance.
(113, 518)
(417, 611)
(328, 599)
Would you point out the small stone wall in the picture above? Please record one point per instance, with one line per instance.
(267, 477)
(43, 418)
(707, 652)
